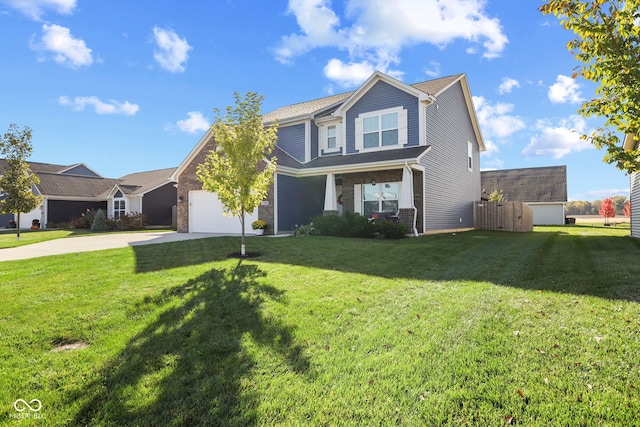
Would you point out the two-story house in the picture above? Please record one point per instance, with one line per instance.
(406, 150)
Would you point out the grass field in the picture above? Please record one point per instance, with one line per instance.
(476, 328)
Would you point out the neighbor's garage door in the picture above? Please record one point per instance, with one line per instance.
(206, 215)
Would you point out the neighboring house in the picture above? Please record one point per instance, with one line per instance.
(544, 189)
(68, 191)
(409, 151)
(630, 143)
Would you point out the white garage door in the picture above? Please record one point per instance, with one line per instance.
(206, 215)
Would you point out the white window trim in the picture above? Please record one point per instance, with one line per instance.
(323, 147)
(470, 156)
(402, 129)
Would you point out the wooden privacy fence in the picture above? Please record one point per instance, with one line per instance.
(503, 216)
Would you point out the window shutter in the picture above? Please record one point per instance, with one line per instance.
(359, 137)
(357, 199)
(403, 137)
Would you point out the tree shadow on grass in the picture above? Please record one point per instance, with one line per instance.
(584, 263)
(192, 365)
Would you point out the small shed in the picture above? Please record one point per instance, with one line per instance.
(543, 189)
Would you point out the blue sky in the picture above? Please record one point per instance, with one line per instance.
(130, 86)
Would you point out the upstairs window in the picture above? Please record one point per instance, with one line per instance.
(470, 156)
(381, 129)
(331, 137)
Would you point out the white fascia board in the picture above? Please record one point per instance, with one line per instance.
(290, 121)
(77, 198)
(353, 168)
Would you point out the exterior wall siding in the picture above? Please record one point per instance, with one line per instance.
(158, 204)
(299, 200)
(450, 189)
(635, 204)
(292, 140)
(381, 96)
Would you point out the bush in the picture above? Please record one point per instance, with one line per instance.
(346, 225)
(305, 230)
(131, 221)
(259, 224)
(355, 225)
(391, 230)
(100, 221)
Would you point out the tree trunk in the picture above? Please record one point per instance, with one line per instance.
(18, 227)
(242, 219)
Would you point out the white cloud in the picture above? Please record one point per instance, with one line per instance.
(100, 107)
(36, 8)
(66, 49)
(507, 85)
(565, 89)
(495, 120)
(558, 140)
(378, 30)
(354, 73)
(195, 123)
(433, 70)
(172, 52)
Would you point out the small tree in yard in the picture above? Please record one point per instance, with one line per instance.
(627, 208)
(495, 196)
(607, 210)
(17, 182)
(232, 169)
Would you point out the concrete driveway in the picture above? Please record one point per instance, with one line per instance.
(95, 243)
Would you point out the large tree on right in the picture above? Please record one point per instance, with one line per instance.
(607, 43)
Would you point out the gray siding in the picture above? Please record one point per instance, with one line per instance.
(635, 204)
(291, 140)
(81, 170)
(299, 200)
(158, 204)
(381, 96)
(450, 189)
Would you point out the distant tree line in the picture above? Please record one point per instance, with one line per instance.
(581, 207)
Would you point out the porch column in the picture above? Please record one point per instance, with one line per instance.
(330, 201)
(407, 212)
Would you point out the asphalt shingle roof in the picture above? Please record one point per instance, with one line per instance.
(430, 87)
(545, 184)
(53, 184)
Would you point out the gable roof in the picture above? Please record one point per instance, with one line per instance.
(37, 167)
(143, 182)
(308, 108)
(59, 185)
(543, 184)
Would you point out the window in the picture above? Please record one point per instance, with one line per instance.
(470, 156)
(119, 208)
(382, 129)
(380, 197)
(331, 137)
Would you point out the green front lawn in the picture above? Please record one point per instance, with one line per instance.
(476, 328)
